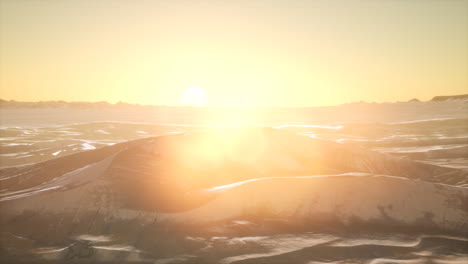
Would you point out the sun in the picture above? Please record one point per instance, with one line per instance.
(194, 96)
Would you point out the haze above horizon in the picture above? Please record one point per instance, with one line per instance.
(237, 53)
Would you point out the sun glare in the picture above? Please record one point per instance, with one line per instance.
(194, 96)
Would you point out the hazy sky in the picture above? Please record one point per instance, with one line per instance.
(241, 53)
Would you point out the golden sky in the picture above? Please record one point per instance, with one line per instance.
(240, 53)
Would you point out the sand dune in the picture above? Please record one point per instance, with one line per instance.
(340, 199)
(145, 191)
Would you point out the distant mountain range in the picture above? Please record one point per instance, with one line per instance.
(64, 104)
(122, 105)
(441, 98)
(451, 97)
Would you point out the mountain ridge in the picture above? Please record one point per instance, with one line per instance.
(124, 105)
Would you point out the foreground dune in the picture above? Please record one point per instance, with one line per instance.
(340, 199)
(253, 179)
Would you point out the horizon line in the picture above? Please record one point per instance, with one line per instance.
(3, 101)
